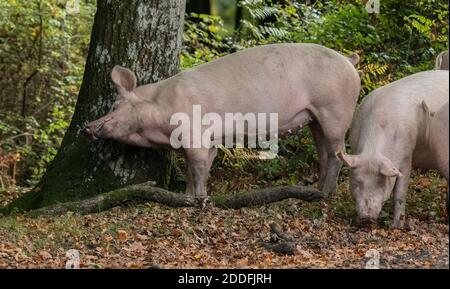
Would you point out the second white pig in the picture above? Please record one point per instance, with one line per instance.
(388, 138)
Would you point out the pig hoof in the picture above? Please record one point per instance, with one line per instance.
(398, 225)
(204, 203)
(327, 192)
(367, 223)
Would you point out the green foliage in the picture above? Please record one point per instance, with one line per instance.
(403, 39)
(268, 22)
(205, 39)
(41, 68)
(48, 47)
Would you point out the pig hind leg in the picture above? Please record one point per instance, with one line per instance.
(333, 142)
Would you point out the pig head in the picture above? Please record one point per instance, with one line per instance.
(389, 137)
(124, 122)
(370, 193)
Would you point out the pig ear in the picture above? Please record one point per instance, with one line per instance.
(427, 118)
(427, 109)
(350, 160)
(123, 78)
(388, 169)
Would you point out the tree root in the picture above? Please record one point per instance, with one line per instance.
(280, 242)
(148, 192)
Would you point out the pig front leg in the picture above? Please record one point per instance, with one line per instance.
(199, 162)
(329, 132)
(319, 140)
(400, 191)
(190, 190)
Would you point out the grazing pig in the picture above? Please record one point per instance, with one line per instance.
(442, 61)
(302, 83)
(388, 138)
(438, 138)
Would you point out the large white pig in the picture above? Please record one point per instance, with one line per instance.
(388, 138)
(302, 83)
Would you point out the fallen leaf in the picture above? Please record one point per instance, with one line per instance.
(45, 255)
(136, 246)
(122, 235)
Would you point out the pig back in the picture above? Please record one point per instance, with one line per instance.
(390, 121)
(277, 78)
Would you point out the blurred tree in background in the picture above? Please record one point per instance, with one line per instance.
(42, 60)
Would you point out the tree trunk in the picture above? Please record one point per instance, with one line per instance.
(145, 36)
(238, 17)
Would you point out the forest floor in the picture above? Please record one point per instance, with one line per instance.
(153, 235)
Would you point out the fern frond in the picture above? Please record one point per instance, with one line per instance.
(262, 13)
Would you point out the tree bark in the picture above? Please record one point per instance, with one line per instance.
(145, 36)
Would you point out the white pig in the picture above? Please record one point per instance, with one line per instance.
(388, 138)
(302, 83)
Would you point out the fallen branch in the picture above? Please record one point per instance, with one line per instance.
(281, 247)
(25, 134)
(148, 192)
(269, 195)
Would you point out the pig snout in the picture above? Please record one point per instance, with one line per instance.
(86, 129)
(368, 212)
(93, 128)
(89, 129)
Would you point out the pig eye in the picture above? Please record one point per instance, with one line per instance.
(358, 180)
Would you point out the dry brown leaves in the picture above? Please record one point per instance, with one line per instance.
(157, 236)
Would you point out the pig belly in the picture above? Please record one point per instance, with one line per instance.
(297, 122)
(300, 120)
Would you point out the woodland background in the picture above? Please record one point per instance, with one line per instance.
(43, 48)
